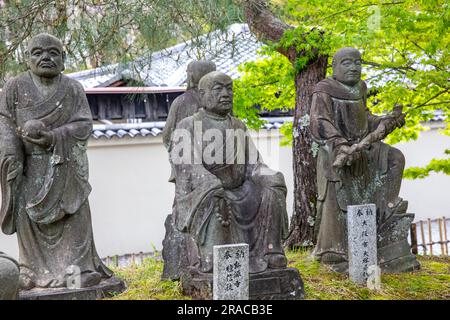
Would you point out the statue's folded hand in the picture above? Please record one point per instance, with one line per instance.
(44, 139)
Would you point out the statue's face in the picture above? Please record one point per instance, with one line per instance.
(197, 70)
(218, 97)
(45, 57)
(348, 69)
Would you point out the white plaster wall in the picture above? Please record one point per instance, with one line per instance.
(131, 196)
(429, 197)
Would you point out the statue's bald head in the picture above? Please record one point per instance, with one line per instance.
(216, 92)
(44, 39)
(196, 70)
(45, 55)
(345, 52)
(347, 66)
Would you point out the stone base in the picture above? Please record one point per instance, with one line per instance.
(394, 251)
(106, 288)
(397, 258)
(174, 252)
(403, 264)
(272, 284)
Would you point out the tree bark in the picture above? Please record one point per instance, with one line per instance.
(267, 27)
(304, 163)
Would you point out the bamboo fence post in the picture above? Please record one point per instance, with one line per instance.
(440, 236)
(422, 233)
(430, 237)
(414, 238)
(445, 235)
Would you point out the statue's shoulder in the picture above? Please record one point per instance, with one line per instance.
(179, 100)
(17, 80)
(70, 82)
(187, 123)
(325, 86)
(238, 123)
(187, 98)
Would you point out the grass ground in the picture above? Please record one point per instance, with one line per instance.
(432, 282)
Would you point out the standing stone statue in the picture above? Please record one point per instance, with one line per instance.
(45, 122)
(9, 277)
(182, 107)
(225, 194)
(355, 167)
(188, 103)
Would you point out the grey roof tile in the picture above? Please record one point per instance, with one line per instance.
(108, 131)
(168, 67)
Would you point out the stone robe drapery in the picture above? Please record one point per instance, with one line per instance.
(250, 195)
(45, 192)
(339, 116)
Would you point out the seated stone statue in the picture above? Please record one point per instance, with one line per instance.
(355, 167)
(224, 192)
(9, 277)
(45, 122)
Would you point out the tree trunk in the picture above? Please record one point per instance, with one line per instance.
(304, 161)
(268, 27)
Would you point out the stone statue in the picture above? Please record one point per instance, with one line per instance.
(9, 277)
(188, 103)
(45, 122)
(355, 167)
(182, 107)
(225, 194)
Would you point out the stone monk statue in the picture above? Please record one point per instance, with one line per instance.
(188, 103)
(185, 105)
(9, 277)
(355, 167)
(45, 122)
(224, 192)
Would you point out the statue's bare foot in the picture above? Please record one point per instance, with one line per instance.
(90, 279)
(25, 282)
(276, 261)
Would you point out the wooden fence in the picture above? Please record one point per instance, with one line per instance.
(429, 231)
(129, 259)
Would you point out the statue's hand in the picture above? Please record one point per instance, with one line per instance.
(396, 120)
(347, 155)
(43, 138)
(400, 120)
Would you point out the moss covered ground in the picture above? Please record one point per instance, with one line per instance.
(432, 282)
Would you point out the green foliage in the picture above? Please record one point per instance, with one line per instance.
(101, 32)
(405, 52)
(432, 282)
(144, 283)
(268, 83)
(435, 165)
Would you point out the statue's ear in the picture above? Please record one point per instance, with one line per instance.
(64, 60)
(27, 57)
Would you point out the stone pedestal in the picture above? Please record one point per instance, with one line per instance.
(272, 284)
(106, 288)
(174, 251)
(394, 251)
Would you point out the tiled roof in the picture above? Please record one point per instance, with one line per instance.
(168, 67)
(108, 131)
